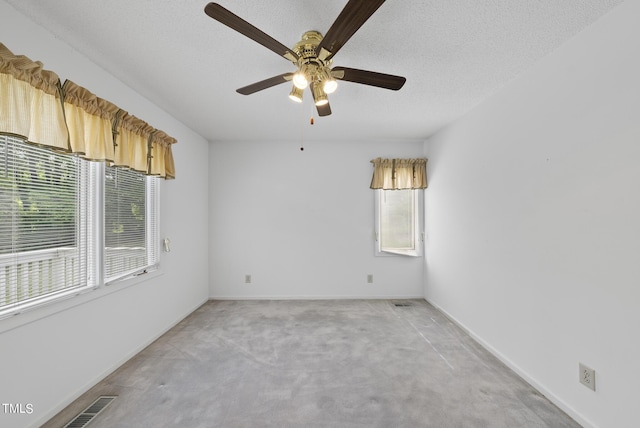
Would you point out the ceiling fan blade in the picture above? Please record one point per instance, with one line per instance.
(227, 18)
(352, 17)
(372, 78)
(264, 84)
(324, 110)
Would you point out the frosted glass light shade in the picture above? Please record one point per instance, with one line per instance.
(330, 86)
(300, 80)
(296, 94)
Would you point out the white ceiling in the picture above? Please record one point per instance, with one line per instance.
(454, 54)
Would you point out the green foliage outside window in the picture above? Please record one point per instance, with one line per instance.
(38, 193)
(124, 208)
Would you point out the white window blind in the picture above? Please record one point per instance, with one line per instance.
(130, 223)
(69, 225)
(42, 237)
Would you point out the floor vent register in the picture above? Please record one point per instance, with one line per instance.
(91, 412)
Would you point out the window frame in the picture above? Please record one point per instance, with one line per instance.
(151, 228)
(90, 237)
(417, 219)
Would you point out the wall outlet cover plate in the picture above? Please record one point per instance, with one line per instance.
(587, 376)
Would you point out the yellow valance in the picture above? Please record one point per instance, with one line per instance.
(70, 118)
(161, 156)
(397, 174)
(89, 120)
(132, 141)
(30, 101)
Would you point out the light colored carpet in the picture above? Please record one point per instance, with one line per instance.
(353, 363)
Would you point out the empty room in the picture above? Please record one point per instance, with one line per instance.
(345, 213)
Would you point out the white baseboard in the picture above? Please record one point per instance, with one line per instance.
(97, 379)
(523, 374)
(304, 297)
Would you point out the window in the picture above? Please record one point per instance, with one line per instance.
(54, 241)
(41, 232)
(399, 222)
(131, 237)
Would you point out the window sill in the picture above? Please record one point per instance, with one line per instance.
(413, 254)
(21, 317)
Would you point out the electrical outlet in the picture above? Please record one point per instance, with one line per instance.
(247, 279)
(587, 376)
(370, 278)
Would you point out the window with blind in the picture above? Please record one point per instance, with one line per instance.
(130, 231)
(42, 236)
(51, 209)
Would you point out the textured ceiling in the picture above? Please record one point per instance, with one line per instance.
(454, 54)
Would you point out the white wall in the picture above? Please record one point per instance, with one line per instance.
(301, 223)
(49, 356)
(534, 221)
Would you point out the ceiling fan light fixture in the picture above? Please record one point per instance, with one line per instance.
(330, 86)
(319, 96)
(300, 79)
(313, 54)
(296, 94)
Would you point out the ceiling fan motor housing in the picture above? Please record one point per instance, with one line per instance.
(309, 63)
(314, 68)
(306, 47)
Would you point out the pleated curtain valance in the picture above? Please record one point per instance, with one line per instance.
(141, 147)
(89, 120)
(161, 157)
(67, 117)
(398, 174)
(30, 101)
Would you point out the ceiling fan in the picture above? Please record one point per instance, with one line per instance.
(313, 55)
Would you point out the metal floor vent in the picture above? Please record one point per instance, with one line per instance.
(83, 419)
(402, 305)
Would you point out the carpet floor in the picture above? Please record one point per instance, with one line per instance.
(321, 363)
